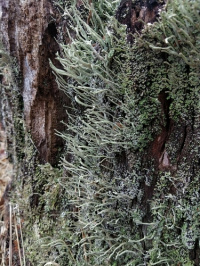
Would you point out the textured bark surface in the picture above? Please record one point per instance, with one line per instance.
(136, 13)
(29, 30)
(29, 33)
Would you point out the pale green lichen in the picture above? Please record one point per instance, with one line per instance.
(119, 112)
(93, 210)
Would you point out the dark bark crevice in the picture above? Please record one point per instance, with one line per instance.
(158, 149)
(30, 34)
(136, 14)
(48, 107)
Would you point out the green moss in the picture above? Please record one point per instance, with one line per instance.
(95, 210)
(115, 92)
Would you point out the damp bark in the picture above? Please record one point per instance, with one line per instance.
(28, 30)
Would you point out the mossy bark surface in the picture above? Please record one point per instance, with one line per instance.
(119, 182)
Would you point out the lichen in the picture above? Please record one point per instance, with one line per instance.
(115, 92)
(114, 200)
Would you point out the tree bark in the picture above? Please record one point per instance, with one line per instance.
(28, 30)
(168, 165)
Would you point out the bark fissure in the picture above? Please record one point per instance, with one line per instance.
(136, 14)
(159, 151)
(29, 35)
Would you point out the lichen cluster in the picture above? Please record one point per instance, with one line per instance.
(116, 112)
(109, 203)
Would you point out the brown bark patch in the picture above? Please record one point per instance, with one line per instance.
(47, 110)
(158, 150)
(29, 35)
(136, 14)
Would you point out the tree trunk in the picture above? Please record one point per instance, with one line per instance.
(28, 30)
(119, 185)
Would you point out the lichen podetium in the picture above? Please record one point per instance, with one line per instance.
(116, 199)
